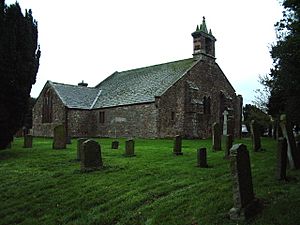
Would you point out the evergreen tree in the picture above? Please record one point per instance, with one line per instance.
(19, 63)
(284, 81)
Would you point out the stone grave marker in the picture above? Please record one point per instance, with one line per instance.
(80, 147)
(216, 137)
(255, 133)
(68, 140)
(225, 128)
(115, 145)
(177, 145)
(28, 141)
(91, 158)
(59, 137)
(292, 153)
(228, 145)
(201, 158)
(281, 159)
(129, 148)
(245, 205)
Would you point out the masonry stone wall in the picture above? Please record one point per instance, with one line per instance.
(184, 108)
(81, 123)
(127, 121)
(58, 115)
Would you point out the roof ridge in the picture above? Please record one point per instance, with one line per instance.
(73, 85)
(96, 99)
(176, 61)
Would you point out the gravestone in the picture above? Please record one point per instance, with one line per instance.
(201, 158)
(216, 137)
(292, 153)
(68, 140)
(228, 145)
(28, 141)
(245, 205)
(129, 148)
(177, 145)
(225, 128)
(115, 145)
(255, 133)
(80, 146)
(281, 159)
(59, 137)
(90, 156)
(8, 146)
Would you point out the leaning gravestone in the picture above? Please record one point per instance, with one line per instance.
(255, 132)
(245, 205)
(59, 137)
(80, 147)
(115, 145)
(216, 137)
(201, 158)
(28, 141)
(292, 152)
(129, 148)
(177, 145)
(228, 145)
(90, 156)
(281, 159)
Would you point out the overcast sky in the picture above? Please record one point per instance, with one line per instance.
(89, 40)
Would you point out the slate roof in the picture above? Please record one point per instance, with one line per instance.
(124, 88)
(140, 85)
(74, 96)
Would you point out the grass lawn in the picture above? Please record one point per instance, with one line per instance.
(45, 186)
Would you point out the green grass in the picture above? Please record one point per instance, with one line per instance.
(45, 186)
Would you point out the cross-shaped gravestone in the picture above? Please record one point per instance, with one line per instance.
(225, 125)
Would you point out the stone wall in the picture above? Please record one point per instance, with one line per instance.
(184, 108)
(81, 123)
(127, 121)
(58, 115)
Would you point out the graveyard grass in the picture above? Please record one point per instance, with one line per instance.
(44, 186)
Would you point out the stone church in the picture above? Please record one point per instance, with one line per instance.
(184, 97)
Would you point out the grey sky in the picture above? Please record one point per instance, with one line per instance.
(89, 40)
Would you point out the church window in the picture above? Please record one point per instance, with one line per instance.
(47, 107)
(172, 116)
(206, 105)
(101, 117)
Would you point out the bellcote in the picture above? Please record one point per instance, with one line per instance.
(203, 41)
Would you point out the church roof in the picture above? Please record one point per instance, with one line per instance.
(73, 96)
(124, 88)
(140, 85)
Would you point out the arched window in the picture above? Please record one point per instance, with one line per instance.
(47, 107)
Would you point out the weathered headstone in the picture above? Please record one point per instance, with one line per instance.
(80, 147)
(255, 132)
(216, 137)
(177, 145)
(292, 152)
(28, 141)
(228, 145)
(68, 140)
(129, 148)
(59, 137)
(91, 158)
(281, 159)
(245, 205)
(225, 114)
(201, 158)
(115, 145)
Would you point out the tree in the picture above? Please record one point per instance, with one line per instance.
(19, 63)
(284, 80)
(251, 112)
